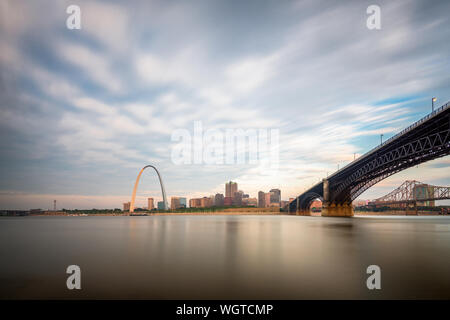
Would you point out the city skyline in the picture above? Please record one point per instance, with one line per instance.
(239, 198)
(83, 110)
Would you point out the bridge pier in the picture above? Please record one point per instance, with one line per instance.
(426, 139)
(337, 210)
(331, 209)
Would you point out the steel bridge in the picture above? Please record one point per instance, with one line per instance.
(426, 139)
(411, 192)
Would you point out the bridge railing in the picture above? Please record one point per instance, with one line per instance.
(407, 129)
(415, 124)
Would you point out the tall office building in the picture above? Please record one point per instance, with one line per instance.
(219, 200)
(126, 206)
(267, 199)
(160, 205)
(275, 196)
(261, 199)
(183, 202)
(237, 198)
(151, 204)
(230, 189)
(227, 201)
(174, 203)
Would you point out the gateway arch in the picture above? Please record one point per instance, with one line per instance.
(133, 196)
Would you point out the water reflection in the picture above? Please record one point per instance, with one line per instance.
(230, 257)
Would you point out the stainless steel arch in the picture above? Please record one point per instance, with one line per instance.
(163, 191)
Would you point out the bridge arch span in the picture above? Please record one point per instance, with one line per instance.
(424, 140)
(308, 199)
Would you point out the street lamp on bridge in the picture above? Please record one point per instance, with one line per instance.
(381, 138)
(432, 103)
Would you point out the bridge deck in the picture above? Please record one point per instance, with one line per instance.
(426, 139)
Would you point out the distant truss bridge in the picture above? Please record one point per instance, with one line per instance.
(412, 191)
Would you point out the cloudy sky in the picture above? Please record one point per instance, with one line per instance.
(83, 110)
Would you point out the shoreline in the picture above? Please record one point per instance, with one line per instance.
(225, 213)
(163, 214)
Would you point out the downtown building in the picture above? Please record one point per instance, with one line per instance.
(160, 205)
(261, 199)
(174, 203)
(237, 198)
(219, 200)
(269, 199)
(204, 202)
(177, 203)
(250, 202)
(150, 204)
(230, 189)
(275, 197)
(228, 201)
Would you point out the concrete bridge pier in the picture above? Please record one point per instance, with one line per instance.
(331, 209)
(301, 212)
(337, 210)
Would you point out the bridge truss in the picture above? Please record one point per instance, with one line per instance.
(424, 140)
(412, 191)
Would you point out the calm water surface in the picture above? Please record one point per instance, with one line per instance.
(229, 257)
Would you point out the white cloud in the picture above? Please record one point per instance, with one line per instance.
(93, 105)
(140, 111)
(250, 73)
(108, 23)
(314, 74)
(94, 65)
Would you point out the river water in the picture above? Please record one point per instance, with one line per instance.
(224, 257)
